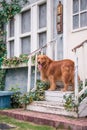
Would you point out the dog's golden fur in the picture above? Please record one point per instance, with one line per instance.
(54, 71)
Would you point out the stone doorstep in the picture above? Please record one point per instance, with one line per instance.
(50, 108)
(47, 119)
(56, 96)
(57, 93)
(46, 103)
(55, 99)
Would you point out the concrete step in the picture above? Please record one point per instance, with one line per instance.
(56, 96)
(50, 107)
(54, 104)
(48, 104)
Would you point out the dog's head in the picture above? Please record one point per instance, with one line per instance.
(43, 61)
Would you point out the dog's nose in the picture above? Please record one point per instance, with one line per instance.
(38, 62)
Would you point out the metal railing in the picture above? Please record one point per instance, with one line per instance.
(80, 60)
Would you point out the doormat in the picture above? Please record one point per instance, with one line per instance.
(4, 126)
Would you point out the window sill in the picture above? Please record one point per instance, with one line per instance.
(42, 30)
(25, 34)
(79, 29)
(11, 39)
(13, 66)
(17, 66)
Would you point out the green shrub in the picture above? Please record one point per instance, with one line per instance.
(70, 104)
(15, 98)
(37, 95)
(70, 101)
(2, 79)
(26, 99)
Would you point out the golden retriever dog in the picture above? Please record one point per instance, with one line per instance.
(53, 71)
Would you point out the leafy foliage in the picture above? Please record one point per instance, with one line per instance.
(84, 94)
(23, 58)
(70, 103)
(2, 78)
(9, 9)
(21, 100)
(26, 99)
(15, 98)
(15, 60)
(33, 59)
(2, 71)
(38, 94)
(2, 52)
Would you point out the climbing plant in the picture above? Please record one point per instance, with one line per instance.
(70, 103)
(14, 61)
(37, 95)
(8, 9)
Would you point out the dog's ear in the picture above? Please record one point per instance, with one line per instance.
(48, 60)
(38, 56)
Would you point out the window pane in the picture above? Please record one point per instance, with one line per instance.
(42, 15)
(75, 6)
(42, 40)
(26, 45)
(75, 21)
(83, 19)
(26, 21)
(11, 48)
(83, 5)
(11, 27)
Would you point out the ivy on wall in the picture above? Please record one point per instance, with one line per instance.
(15, 61)
(8, 9)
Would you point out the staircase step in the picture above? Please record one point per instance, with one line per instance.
(56, 95)
(48, 104)
(53, 108)
(54, 103)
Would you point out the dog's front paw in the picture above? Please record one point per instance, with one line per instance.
(51, 89)
(63, 90)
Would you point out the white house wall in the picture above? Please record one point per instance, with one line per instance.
(72, 39)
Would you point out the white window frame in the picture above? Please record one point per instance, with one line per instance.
(9, 39)
(23, 35)
(34, 27)
(43, 29)
(79, 13)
